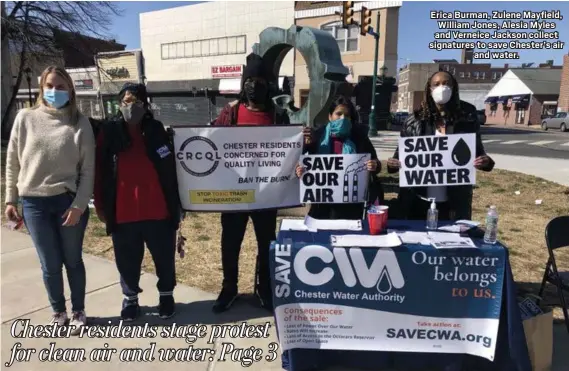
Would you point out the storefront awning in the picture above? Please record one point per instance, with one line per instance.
(503, 99)
(524, 98)
(491, 100)
(233, 86)
(230, 86)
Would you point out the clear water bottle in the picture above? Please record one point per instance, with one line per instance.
(491, 226)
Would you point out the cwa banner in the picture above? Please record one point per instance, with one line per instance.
(237, 168)
(375, 299)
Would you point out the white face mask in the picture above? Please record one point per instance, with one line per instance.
(441, 94)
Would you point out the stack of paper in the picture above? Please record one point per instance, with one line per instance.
(360, 240)
(441, 240)
(294, 225)
(339, 224)
(413, 237)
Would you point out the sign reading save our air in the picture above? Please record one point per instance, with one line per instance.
(334, 178)
(437, 160)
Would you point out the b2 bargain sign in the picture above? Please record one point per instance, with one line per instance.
(409, 299)
(437, 160)
(334, 178)
(237, 168)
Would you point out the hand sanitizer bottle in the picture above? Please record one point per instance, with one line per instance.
(432, 216)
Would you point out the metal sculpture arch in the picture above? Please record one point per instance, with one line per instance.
(325, 69)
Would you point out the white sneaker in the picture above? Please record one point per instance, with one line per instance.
(78, 319)
(59, 318)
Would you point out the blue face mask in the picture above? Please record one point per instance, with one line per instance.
(341, 127)
(56, 98)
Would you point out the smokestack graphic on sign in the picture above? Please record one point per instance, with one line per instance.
(354, 168)
(346, 188)
(355, 188)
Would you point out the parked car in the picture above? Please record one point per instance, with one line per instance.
(559, 121)
(481, 116)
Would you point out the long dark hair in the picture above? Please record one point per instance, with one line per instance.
(452, 108)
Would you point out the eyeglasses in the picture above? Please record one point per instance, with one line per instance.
(133, 101)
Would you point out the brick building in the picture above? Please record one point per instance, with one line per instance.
(563, 101)
(357, 51)
(523, 96)
(475, 80)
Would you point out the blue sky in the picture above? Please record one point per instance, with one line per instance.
(416, 30)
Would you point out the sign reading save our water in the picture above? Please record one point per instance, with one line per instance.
(437, 160)
(374, 299)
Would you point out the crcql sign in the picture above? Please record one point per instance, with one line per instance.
(198, 156)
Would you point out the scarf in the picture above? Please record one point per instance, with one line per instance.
(340, 128)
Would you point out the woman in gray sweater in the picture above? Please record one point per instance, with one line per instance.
(50, 169)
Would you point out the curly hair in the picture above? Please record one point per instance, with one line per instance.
(452, 109)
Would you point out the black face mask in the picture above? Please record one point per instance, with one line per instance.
(256, 92)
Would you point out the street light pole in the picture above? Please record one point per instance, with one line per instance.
(372, 124)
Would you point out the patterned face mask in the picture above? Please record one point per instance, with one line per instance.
(133, 113)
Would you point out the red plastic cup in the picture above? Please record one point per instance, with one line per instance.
(385, 210)
(375, 221)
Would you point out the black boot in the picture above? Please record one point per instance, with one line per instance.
(130, 309)
(225, 299)
(166, 306)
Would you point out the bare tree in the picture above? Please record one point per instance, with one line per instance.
(33, 30)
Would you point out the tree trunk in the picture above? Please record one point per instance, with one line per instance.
(7, 114)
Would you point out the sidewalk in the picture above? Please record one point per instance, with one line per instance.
(536, 128)
(24, 297)
(555, 170)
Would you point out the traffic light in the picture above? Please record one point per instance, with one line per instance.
(365, 21)
(386, 86)
(347, 14)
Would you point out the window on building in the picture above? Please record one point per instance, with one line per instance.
(453, 71)
(447, 68)
(494, 75)
(482, 75)
(204, 48)
(468, 75)
(499, 75)
(461, 75)
(476, 75)
(347, 39)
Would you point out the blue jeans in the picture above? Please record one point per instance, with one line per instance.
(56, 246)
